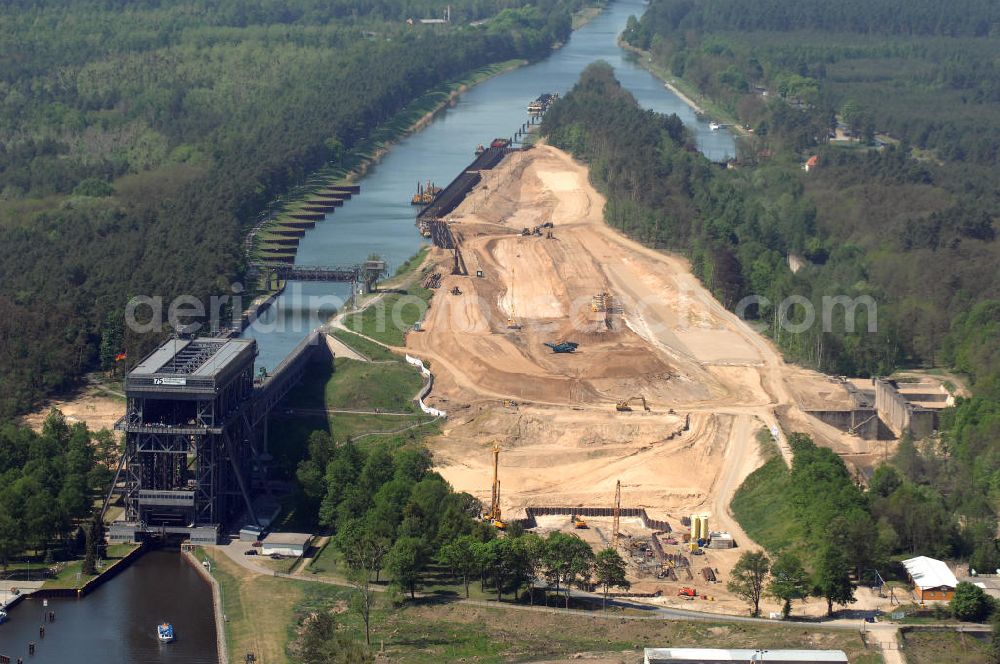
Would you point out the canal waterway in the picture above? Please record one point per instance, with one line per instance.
(116, 623)
(381, 220)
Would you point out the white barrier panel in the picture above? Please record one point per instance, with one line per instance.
(425, 372)
(420, 365)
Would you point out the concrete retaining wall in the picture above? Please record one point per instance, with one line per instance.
(901, 415)
(652, 524)
(222, 647)
(96, 582)
(861, 421)
(428, 386)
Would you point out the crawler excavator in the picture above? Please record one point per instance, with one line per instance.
(493, 515)
(625, 407)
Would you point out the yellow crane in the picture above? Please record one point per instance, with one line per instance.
(615, 534)
(494, 515)
(624, 407)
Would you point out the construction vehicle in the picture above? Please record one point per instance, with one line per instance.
(616, 525)
(578, 522)
(601, 302)
(563, 347)
(624, 407)
(493, 515)
(509, 403)
(455, 290)
(542, 103)
(687, 592)
(425, 194)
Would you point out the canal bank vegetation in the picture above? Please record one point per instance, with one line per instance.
(365, 347)
(915, 236)
(140, 144)
(390, 319)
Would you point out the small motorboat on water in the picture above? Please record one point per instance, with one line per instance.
(165, 632)
(714, 126)
(3, 616)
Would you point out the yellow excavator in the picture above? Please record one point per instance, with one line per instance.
(625, 407)
(493, 516)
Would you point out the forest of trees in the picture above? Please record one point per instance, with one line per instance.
(138, 141)
(48, 483)
(391, 515)
(921, 72)
(858, 221)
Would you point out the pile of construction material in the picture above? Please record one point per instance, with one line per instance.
(433, 281)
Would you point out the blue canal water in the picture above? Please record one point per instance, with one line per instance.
(381, 220)
(116, 624)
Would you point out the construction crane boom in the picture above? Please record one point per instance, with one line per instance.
(494, 515)
(618, 514)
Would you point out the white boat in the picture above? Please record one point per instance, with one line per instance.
(3, 616)
(165, 632)
(714, 126)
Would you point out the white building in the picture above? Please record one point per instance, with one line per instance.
(932, 579)
(714, 655)
(285, 544)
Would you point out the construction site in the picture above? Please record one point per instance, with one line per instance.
(597, 380)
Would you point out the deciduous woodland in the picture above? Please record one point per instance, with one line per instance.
(139, 140)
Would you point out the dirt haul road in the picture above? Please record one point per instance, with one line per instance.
(665, 337)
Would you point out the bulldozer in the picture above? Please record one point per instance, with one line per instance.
(625, 407)
(579, 523)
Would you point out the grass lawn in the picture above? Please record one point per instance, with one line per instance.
(434, 632)
(66, 578)
(407, 268)
(355, 385)
(933, 647)
(368, 386)
(261, 610)
(389, 319)
(371, 350)
(761, 503)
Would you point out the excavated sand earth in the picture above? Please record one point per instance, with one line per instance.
(563, 443)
